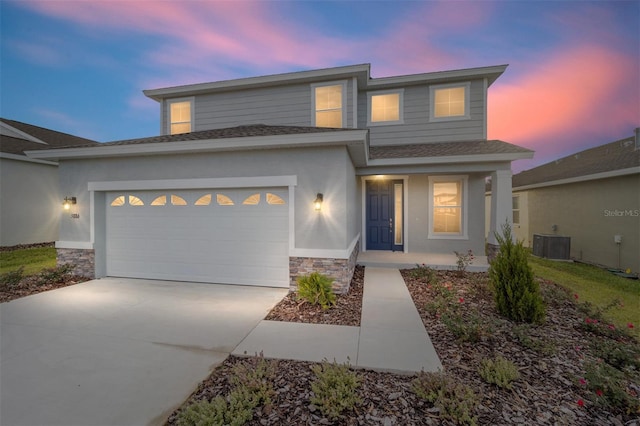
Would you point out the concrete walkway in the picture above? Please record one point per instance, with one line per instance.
(391, 336)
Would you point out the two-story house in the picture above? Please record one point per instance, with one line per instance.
(257, 180)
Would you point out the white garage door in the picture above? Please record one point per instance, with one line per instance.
(229, 236)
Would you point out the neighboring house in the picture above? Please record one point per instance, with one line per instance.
(592, 196)
(30, 198)
(228, 192)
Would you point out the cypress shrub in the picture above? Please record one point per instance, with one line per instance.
(517, 294)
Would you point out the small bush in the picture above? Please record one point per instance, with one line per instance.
(464, 260)
(253, 387)
(517, 294)
(422, 271)
(621, 355)
(316, 289)
(607, 384)
(544, 346)
(455, 401)
(466, 330)
(499, 371)
(12, 278)
(55, 275)
(334, 389)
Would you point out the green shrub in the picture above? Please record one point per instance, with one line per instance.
(422, 271)
(455, 401)
(517, 294)
(55, 275)
(12, 278)
(468, 330)
(464, 260)
(316, 289)
(499, 371)
(619, 354)
(253, 387)
(607, 385)
(334, 389)
(544, 346)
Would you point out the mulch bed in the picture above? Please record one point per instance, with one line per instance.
(347, 310)
(547, 393)
(31, 285)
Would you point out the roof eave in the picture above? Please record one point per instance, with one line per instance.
(450, 159)
(583, 178)
(354, 140)
(361, 71)
(492, 73)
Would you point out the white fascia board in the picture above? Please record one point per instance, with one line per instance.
(577, 179)
(207, 145)
(252, 82)
(230, 182)
(19, 132)
(453, 159)
(434, 169)
(26, 159)
(427, 78)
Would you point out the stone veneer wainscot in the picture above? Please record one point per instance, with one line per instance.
(341, 270)
(84, 261)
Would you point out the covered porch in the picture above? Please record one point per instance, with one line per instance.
(400, 260)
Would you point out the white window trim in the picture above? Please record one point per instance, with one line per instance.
(400, 108)
(465, 209)
(342, 83)
(168, 103)
(467, 102)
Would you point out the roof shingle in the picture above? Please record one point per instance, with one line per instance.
(445, 149)
(54, 139)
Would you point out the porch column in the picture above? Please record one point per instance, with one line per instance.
(501, 204)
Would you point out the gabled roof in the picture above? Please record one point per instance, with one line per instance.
(17, 137)
(441, 149)
(618, 156)
(360, 72)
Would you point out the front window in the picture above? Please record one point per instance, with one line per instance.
(447, 215)
(328, 105)
(180, 116)
(449, 101)
(515, 201)
(385, 108)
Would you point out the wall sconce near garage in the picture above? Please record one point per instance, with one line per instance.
(317, 204)
(68, 202)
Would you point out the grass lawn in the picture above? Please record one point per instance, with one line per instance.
(34, 260)
(596, 286)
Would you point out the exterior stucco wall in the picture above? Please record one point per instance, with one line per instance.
(318, 170)
(418, 224)
(30, 202)
(592, 213)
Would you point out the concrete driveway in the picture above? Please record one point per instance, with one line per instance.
(118, 351)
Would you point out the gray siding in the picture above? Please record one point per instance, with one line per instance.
(288, 105)
(418, 129)
(31, 205)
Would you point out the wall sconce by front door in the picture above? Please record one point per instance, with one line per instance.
(68, 202)
(317, 204)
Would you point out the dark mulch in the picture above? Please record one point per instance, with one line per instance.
(347, 310)
(546, 394)
(32, 285)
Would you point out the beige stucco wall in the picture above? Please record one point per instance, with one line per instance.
(30, 202)
(592, 213)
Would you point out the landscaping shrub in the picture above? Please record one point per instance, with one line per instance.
(466, 330)
(499, 371)
(464, 260)
(334, 389)
(316, 289)
(517, 294)
(607, 385)
(455, 401)
(55, 275)
(12, 278)
(422, 271)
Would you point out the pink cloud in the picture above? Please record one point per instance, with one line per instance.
(575, 92)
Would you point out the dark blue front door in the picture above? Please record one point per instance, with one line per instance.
(381, 211)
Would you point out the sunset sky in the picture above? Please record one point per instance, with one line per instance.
(573, 80)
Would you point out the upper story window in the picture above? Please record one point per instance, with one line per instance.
(386, 107)
(450, 101)
(329, 104)
(180, 115)
(515, 204)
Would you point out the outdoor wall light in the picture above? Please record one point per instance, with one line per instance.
(317, 204)
(68, 202)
